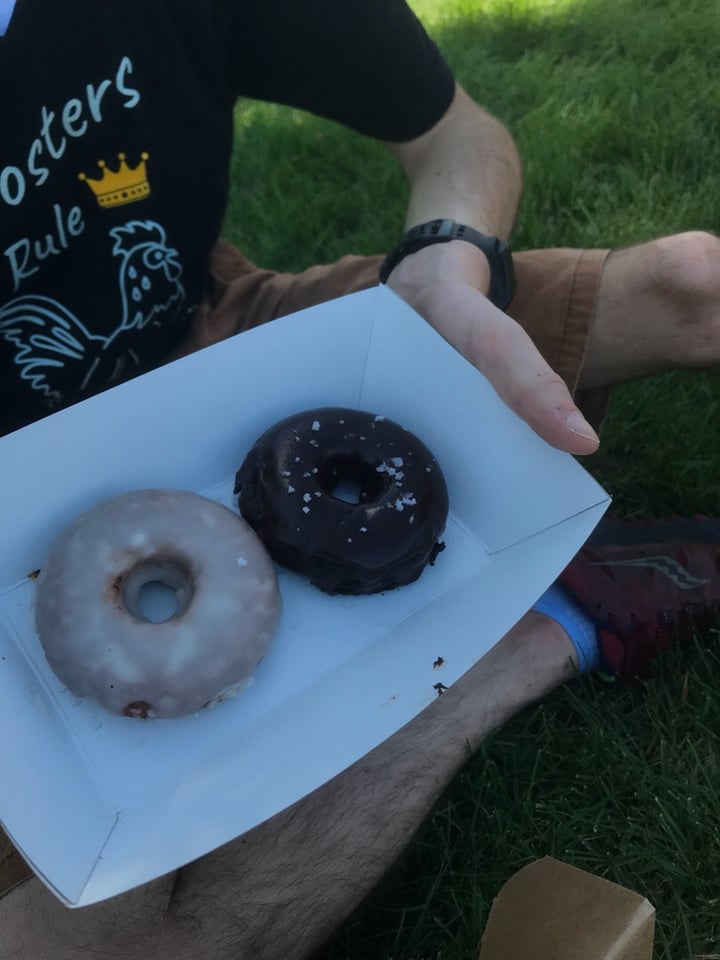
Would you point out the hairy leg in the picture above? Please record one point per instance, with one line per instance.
(658, 309)
(280, 889)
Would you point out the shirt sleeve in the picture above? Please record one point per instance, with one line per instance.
(368, 64)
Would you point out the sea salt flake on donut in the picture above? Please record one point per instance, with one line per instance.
(407, 500)
(306, 509)
(307, 498)
(316, 425)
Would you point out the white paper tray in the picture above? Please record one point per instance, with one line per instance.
(99, 804)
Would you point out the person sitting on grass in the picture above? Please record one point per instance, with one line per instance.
(114, 160)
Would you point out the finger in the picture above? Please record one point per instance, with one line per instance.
(505, 354)
(530, 387)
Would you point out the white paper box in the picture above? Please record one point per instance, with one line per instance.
(99, 804)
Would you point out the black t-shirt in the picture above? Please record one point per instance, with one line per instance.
(115, 138)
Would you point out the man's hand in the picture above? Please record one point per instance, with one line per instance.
(466, 168)
(445, 284)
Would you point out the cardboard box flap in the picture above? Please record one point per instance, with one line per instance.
(69, 827)
(552, 911)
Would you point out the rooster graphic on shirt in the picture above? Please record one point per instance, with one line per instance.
(52, 342)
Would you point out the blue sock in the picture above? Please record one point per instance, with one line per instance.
(560, 606)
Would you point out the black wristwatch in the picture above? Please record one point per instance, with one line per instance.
(502, 273)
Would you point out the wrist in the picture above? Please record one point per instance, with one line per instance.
(438, 234)
(454, 262)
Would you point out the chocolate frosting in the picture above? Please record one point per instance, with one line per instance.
(351, 500)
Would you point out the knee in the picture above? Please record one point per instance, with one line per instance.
(687, 275)
(688, 266)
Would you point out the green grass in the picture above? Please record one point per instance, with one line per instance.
(623, 784)
(616, 108)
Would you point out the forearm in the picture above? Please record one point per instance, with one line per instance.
(466, 168)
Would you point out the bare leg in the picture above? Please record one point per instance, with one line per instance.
(658, 309)
(279, 890)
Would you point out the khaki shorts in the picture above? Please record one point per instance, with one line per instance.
(554, 303)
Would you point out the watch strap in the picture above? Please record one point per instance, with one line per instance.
(502, 274)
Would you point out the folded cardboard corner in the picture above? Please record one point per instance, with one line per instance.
(549, 910)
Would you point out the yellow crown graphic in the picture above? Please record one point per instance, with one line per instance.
(124, 185)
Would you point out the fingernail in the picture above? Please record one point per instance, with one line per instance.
(578, 425)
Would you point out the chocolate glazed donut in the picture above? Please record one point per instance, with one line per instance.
(351, 500)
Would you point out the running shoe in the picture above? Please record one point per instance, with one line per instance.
(649, 585)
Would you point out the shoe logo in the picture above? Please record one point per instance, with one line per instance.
(670, 568)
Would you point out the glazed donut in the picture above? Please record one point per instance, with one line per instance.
(88, 603)
(351, 500)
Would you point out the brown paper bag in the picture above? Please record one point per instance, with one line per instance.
(552, 911)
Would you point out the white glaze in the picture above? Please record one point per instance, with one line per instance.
(101, 650)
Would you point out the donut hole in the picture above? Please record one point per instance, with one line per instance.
(156, 591)
(351, 479)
